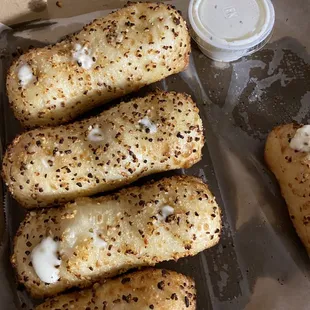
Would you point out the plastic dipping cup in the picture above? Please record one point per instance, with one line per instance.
(226, 30)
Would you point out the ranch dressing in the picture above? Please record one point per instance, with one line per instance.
(229, 29)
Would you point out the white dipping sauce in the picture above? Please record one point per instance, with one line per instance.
(145, 122)
(45, 260)
(301, 140)
(226, 30)
(25, 75)
(165, 212)
(83, 56)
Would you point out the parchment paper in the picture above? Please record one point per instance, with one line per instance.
(260, 262)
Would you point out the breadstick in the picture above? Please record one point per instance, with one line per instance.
(94, 238)
(143, 290)
(115, 55)
(160, 132)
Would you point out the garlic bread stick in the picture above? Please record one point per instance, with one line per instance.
(143, 290)
(114, 55)
(49, 166)
(287, 153)
(93, 238)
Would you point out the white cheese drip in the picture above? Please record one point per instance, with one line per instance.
(25, 75)
(301, 140)
(98, 241)
(165, 212)
(45, 161)
(45, 260)
(148, 124)
(83, 56)
(95, 134)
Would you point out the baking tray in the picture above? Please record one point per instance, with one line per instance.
(259, 263)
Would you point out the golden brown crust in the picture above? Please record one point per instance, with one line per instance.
(130, 224)
(132, 47)
(147, 289)
(49, 166)
(292, 170)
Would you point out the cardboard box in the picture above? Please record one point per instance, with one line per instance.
(17, 11)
